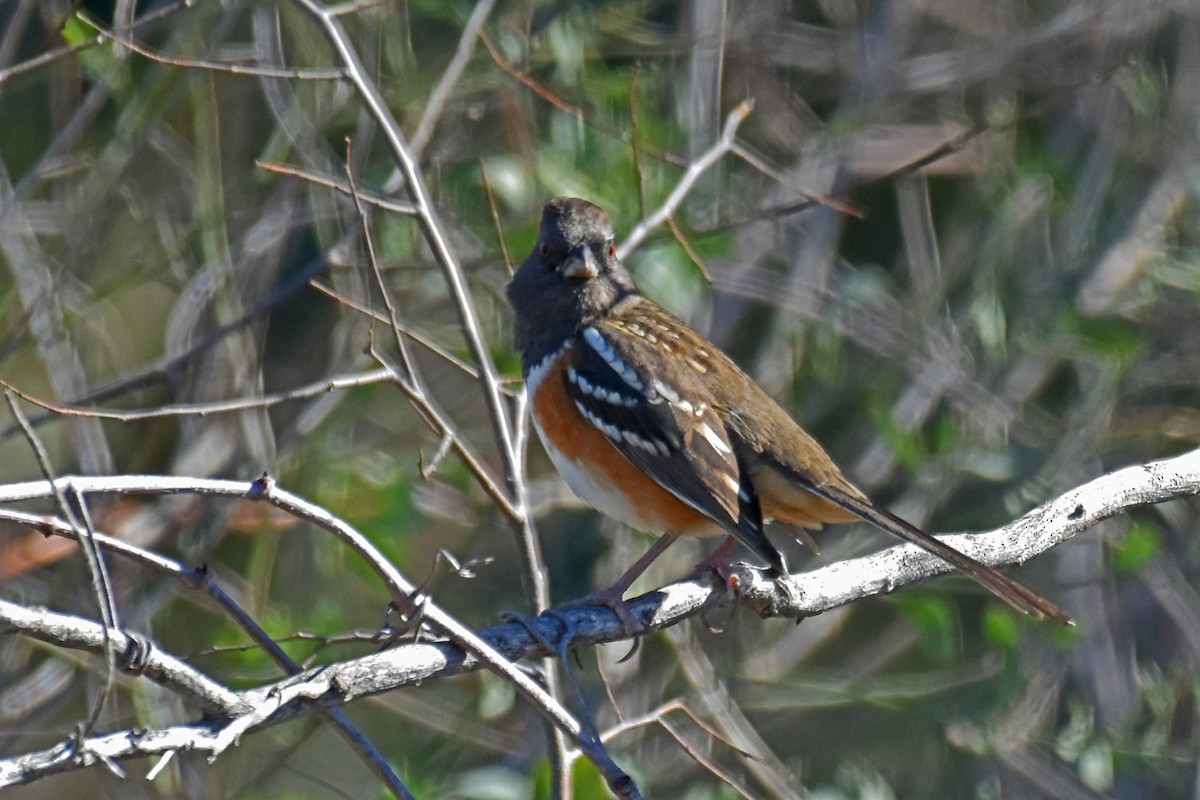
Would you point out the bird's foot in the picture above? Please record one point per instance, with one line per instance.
(613, 597)
(718, 562)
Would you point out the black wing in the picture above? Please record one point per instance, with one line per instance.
(669, 431)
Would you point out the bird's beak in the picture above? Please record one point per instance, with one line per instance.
(581, 263)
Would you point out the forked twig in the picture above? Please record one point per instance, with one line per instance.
(692, 174)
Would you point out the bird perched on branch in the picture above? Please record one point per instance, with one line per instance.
(652, 424)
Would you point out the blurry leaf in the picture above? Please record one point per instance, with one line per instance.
(247, 660)
(993, 465)
(508, 361)
(1075, 734)
(492, 783)
(77, 31)
(510, 181)
(1096, 766)
(95, 59)
(1146, 87)
(1065, 636)
(946, 435)
(1112, 337)
(991, 326)
(29, 551)
(934, 616)
(1180, 272)
(989, 788)
(862, 781)
(497, 697)
(908, 446)
(666, 274)
(1001, 627)
(1142, 543)
(396, 238)
(585, 779)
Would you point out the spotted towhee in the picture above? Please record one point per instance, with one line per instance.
(652, 424)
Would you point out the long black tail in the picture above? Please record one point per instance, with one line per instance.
(997, 583)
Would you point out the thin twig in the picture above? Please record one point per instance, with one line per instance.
(437, 98)
(411, 376)
(377, 200)
(690, 176)
(531, 561)
(419, 338)
(688, 249)
(192, 685)
(571, 108)
(659, 717)
(205, 409)
(49, 56)
(106, 601)
(216, 66)
(167, 366)
(491, 201)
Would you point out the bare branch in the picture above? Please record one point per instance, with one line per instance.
(202, 579)
(217, 407)
(515, 504)
(800, 595)
(386, 203)
(404, 593)
(437, 98)
(73, 632)
(215, 66)
(49, 56)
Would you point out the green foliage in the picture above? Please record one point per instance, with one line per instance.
(586, 781)
(1001, 627)
(1137, 547)
(935, 619)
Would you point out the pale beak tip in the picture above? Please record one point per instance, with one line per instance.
(582, 265)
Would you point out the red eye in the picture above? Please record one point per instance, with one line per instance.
(612, 250)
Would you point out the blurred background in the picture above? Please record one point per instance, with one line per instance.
(957, 239)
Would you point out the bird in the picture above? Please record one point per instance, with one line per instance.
(650, 423)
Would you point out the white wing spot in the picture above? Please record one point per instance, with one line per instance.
(652, 446)
(639, 442)
(670, 394)
(714, 441)
(599, 392)
(607, 428)
(605, 350)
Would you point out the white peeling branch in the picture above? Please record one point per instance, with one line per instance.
(106, 749)
(137, 655)
(801, 595)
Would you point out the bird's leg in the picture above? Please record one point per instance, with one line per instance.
(718, 562)
(614, 596)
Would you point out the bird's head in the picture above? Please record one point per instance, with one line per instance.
(571, 278)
